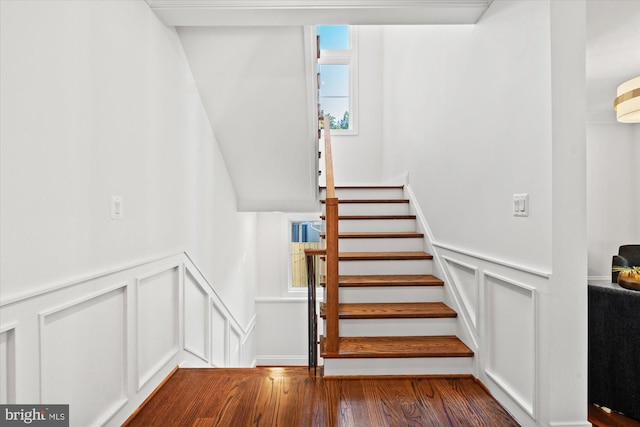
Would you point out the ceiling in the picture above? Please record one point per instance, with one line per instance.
(313, 12)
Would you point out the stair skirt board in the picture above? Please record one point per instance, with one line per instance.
(397, 327)
(398, 366)
(391, 294)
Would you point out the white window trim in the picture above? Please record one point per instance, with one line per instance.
(348, 57)
(291, 290)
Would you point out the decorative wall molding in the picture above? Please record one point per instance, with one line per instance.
(195, 270)
(203, 353)
(145, 373)
(43, 290)
(471, 308)
(498, 374)
(219, 324)
(49, 344)
(103, 311)
(514, 266)
(8, 363)
(234, 347)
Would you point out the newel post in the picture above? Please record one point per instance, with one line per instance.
(331, 297)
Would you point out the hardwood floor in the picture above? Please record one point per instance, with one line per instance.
(600, 418)
(290, 397)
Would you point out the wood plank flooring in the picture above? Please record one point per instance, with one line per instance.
(290, 397)
(600, 418)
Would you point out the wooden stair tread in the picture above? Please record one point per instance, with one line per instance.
(387, 280)
(366, 256)
(399, 310)
(377, 235)
(369, 201)
(367, 217)
(398, 347)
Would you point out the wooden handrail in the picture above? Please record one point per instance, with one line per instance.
(331, 341)
(328, 155)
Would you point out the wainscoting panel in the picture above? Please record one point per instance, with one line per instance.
(158, 321)
(8, 364)
(92, 377)
(102, 343)
(196, 317)
(466, 280)
(511, 344)
(218, 337)
(235, 355)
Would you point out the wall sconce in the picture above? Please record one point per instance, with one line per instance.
(627, 103)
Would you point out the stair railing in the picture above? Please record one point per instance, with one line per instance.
(330, 252)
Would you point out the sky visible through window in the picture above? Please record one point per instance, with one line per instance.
(333, 36)
(334, 78)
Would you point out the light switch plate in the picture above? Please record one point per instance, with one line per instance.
(116, 207)
(521, 204)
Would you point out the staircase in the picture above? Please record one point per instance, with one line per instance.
(392, 320)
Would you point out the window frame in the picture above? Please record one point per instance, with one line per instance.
(346, 57)
(297, 290)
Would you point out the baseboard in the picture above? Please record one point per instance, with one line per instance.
(148, 399)
(275, 360)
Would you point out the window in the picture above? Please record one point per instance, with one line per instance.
(304, 235)
(337, 69)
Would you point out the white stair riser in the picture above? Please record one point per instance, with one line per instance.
(420, 266)
(346, 225)
(399, 366)
(371, 208)
(373, 193)
(397, 327)
(391, 294)
(381, 245)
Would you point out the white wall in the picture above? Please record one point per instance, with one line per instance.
(258, 86)
(358, 158)
(466, 114)
(89, 112)
(97, 100)
(613, 211)
(281, 310)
